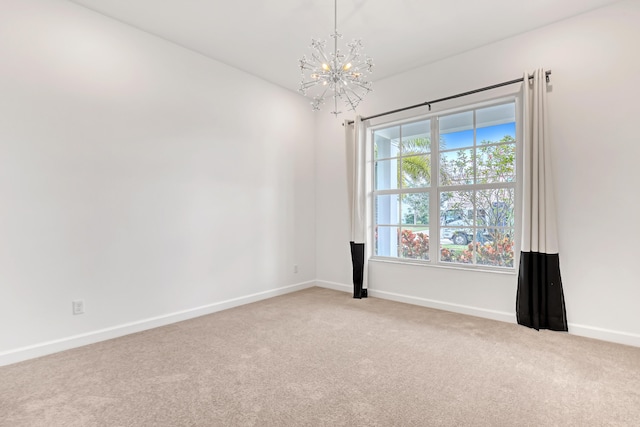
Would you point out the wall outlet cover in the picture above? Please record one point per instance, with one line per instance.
(78, 306)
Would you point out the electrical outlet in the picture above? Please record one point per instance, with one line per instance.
(78, 306)
(295, 268)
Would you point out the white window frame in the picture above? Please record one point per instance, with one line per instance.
(435, 189)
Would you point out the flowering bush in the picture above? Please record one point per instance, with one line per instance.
(450, 255)
(414, 245)
(498, 252)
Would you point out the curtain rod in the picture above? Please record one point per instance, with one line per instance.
(459, 95)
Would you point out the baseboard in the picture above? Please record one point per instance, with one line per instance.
(43, 349)
(602, 334)
(424, 302)
(334, 285)
(502, 316)
(574, 329)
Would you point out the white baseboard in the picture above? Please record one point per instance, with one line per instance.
(43, 349)
(334, 285)
(424, 302)
(502, 316)
(602, 334)
(574, 329)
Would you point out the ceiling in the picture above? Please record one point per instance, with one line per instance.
(268, 37)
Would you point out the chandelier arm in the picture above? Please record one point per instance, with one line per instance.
(365, 86)
(363, 63)
(351, 57)
(353, 102)
(307, 85)
(350, 102)
(324, 93)
(324, 56)
(348, 90)
(360, 61)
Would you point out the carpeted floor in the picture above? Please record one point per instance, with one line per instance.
(320, 358)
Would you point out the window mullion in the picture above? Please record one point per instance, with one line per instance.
(401, 188)
(434, 203)
(474, 199)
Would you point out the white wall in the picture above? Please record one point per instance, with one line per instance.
(151, 182)
(593, 125)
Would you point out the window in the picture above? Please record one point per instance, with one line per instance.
(468, 205)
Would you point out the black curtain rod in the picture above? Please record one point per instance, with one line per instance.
(459, 95)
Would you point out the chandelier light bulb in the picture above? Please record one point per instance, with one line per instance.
(335, 74)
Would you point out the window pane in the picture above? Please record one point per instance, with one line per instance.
(498, 133)
(496, 207)
(496, 124)
(456, 167)
(416, 138)
(496, 115)
(415, 209)
(496, 163)
(416, 171)
(386, 241)
(456, 217)
(456, 130)
(414, 243)
(385, 142)
(387, 209)
(456, 236)
(454, 140)
(497, 250)
(387, 174)
(456, 208)
(457, 251)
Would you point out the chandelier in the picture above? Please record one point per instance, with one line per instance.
(335, 74)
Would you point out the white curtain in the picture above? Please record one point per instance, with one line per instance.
(355, 143)
(540, 299)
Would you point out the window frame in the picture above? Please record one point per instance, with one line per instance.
(435, 188)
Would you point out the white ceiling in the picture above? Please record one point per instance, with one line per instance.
(268, 37)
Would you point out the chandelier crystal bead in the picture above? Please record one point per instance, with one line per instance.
(335, 74)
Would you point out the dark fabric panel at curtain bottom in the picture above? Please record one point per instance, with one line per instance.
(357, 260)
(540, 299)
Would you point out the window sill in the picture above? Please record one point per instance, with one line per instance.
(480, 269)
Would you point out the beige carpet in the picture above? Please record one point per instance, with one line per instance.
(321, 358)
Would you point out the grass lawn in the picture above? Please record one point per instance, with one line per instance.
(456, 248)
